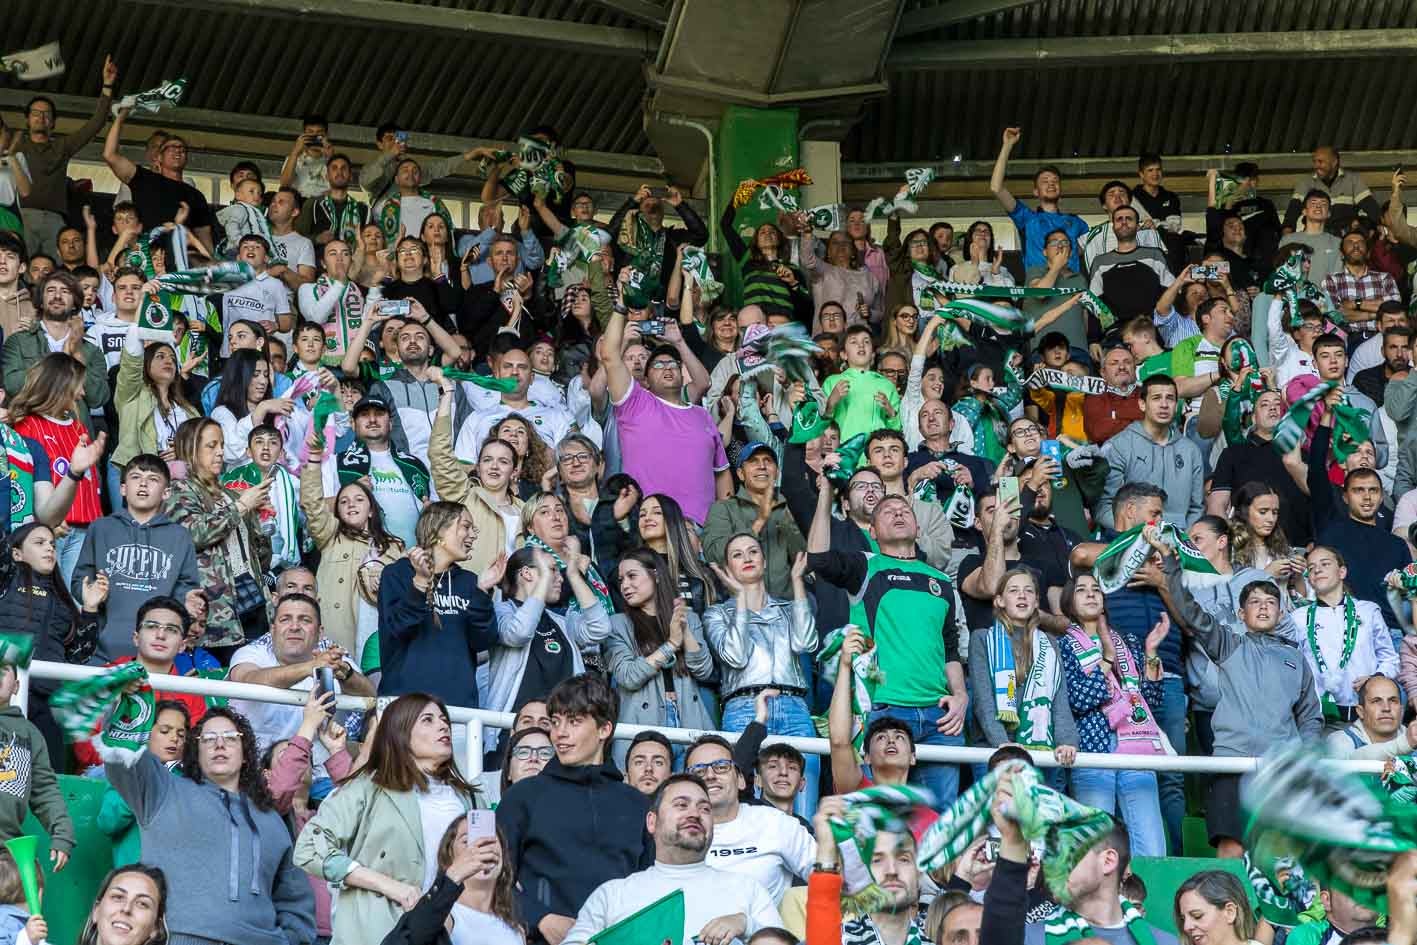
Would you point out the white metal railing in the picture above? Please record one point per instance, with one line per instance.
(472, 760)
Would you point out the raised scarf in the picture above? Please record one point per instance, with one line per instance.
(1124, 556)
(865, 674)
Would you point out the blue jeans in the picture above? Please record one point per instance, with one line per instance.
(1134, 794)
(787, 715)
(112, 481)
(941, 779)
(1171, 716)
(66, 552)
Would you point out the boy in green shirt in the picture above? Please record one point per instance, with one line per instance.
(859, 399)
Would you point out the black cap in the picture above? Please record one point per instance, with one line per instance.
(369, 403)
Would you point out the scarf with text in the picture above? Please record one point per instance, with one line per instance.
(82, 705)
(31, 65)
(904, 201)
(152, 101)
(1026, 709)
(343, 323)
(745, 190)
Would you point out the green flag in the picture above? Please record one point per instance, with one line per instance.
(807, 422)
(850, 453)
(659, 922)
(502, 385)
(16, 649)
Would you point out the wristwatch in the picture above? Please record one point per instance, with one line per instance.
(70, 473)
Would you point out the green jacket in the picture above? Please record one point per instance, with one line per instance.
(362, 824)
(30, 783)
(24, 349)
(781, 538)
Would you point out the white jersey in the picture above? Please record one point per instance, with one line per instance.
(766, 844)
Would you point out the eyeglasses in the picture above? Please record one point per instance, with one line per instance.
(219, 739)
(663, 364)
(526, 753)
(722, 766)
(1027, 430)
(910, 315)
(575, 458)
(165, 627)
(892, 371)
(1058, 242)
(867, 487)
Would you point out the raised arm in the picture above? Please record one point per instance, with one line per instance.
(617, 374)
(846, 769)
(122, 168)
(1001, 165)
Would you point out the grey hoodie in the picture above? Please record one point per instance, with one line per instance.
(1176, 466)
(142, 561)
(228, 864)
(1267, 692)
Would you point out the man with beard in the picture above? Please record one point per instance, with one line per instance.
(1397, 361)
(759, 508)
(936, 452)
(58, 329)
(398, 480)
(335, 214)
(410, 391)
(892, 866)
(849, 532)
(719, 906)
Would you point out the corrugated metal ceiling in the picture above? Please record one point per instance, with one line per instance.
(450, 83)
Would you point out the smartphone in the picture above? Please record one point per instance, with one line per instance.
(650, 327)
(325, 680)
(991, 850)
(1053, 450)
(396, 307)
(317, 141)
(1008, 494)
(480, 825)
(401, 137)
(1209, 273)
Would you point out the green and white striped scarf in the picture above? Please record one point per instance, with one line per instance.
(152, 101)
(1125, 555)
(1065, 828)
(592, 576)
(572, 252)
(881, 808)
(826, 217)
(1063, 925)
(865, 675)
(916, 180)
(698, 272)
(1350, 424)
(81, 705)
(1286, 903)
(16, 649)
(284, 511)
(1027, 709)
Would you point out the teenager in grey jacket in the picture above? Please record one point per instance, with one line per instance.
(1153, 450)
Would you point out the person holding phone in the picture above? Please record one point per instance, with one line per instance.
(471, 900)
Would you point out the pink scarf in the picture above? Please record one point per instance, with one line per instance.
(1126, 710)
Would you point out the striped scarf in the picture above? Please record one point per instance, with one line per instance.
(1062, 925)
(865, 674)
(1350, 424)
(881, 808)
(345, 220)
(597, 585)
(1125, 555)
(344, 322)
(82, 706)
(1026, 708)
(283, 516)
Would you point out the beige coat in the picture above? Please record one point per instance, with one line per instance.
(450, 480)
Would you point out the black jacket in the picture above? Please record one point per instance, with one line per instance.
(60, 637)
(423, 924)
(692, 233)
(567, 831)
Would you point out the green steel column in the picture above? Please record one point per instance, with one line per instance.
(752, 142)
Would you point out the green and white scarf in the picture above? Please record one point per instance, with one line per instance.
(1344, 830)
(1350, 424)
(1027, 710)
(152, 101)
(882, 808)
(642, 244)
(16, 649)
(346, 219)
(1001, 318)
(32, 65)
(572, 252)
(392, 211)
(1065, 829)
(1227, 188)
(865, 675)
(698, 272)
(826, 217)
(1124, 556)
(1062, 925)
(343, 324)
(597, 584)
(959, 509)
(1287, 903)
(284, 512)
(1066, 383)
(19, 463)
(1350, 639)
(81, 706)
(916, 180)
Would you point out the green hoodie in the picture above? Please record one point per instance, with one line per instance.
(27, 782)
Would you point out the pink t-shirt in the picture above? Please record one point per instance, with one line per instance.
(670, 449)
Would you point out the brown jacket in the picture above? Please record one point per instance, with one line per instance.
(14, 307)
(450, 480)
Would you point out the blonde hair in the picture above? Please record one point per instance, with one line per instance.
(1020, 638)
(48, 390)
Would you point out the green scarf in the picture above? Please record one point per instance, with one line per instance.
(697, 270)
(1350, 424)
(575, 246)
(502, 385)
(345, 220)
(20, 463)
(807, 422)
(1062, 925)
(152, 101)
(1342, 829)
(1126, 554)
(1027, 709)
(1065, 383)
(284, 512)
(865, 675)
(869, 812)
(850, 452)
(597, 585)
(392, 209)
(16, 649)
(80, 706)
(1066, 829)
(826, 217)
(916, 180)
(642, 244)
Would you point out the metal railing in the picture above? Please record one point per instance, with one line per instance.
(474, 719)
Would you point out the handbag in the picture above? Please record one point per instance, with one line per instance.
(247, 595)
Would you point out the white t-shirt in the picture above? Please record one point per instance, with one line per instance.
(471, 927)
(297, 250)
(764, 843)
(260, 300)
(708, 894)
(400, 507)
(551, 422)
(413, 210)
(274, 723)
(438, 807)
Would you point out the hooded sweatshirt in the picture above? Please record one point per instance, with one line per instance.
(432, 645)
(27, 782)
(1175, 465)
(142, 562)
(227, 862)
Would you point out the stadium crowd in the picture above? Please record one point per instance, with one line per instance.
(1142, 488)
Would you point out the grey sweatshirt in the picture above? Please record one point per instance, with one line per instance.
(1267, 692)
(1176, 466)
(227, 863)
(142, 562)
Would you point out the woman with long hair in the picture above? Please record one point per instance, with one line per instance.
(35, 600)
(439, 242)
(1016, 676)
(47, 410)
(1111, 689)
(244, 401)
(487, 492)
(657, 652)
(150, 401)
(981, 251)
(129, 909)
(546, 524)
(473, 899)
(391, 813)
(533, 455)
(759, 641)
(576, 330)
(770, 281)
(902, 330)
(842, 277)
(221, 807)
(232, 551)
(903, 256)
(1213, 908)
(540, 644)
(1260, 541)
(354, 550)
(528, 751)
(660, 526)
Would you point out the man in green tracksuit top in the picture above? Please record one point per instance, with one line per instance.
(913, 614)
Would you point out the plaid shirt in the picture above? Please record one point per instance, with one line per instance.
(1342, 286)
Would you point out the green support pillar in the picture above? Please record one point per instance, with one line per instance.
(752, 142)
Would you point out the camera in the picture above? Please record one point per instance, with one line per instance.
(1209, 273)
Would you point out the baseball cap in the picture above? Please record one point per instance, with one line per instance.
(369, 403)
(751, 448)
